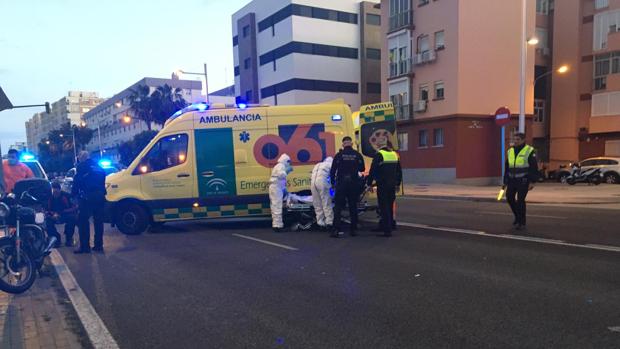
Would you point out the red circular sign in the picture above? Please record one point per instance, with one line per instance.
(502, 116)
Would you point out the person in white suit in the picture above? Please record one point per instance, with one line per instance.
(321, 199)
(277, 190)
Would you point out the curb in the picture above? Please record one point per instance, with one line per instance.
(486, 199)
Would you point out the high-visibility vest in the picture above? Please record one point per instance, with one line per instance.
(389, 156)
(518, 164)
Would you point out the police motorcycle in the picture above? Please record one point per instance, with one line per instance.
(25, 244)
(590, 175)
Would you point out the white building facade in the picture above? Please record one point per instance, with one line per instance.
(68, 109)
(109, 121)
(307, 51)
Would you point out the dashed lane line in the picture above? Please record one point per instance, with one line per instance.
(290, 248)
(513, 237)
(97, 332)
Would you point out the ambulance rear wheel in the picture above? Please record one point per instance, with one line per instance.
(132, 219)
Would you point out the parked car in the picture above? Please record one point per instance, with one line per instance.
(609, 166)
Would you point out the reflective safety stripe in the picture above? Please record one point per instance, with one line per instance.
(389, 156)
(518, 164)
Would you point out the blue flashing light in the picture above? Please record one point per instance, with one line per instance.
(201, 106)
(337, 117)
(242, 106)
(105, 163)
(27, 157)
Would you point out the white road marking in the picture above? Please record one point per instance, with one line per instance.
(529, 215)
(97, 332)
(266, 242)
(514, 237)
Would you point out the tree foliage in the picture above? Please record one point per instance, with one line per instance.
(56, 153)
(155, 107)
(129, 150)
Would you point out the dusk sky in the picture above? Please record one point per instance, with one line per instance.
(48, 47)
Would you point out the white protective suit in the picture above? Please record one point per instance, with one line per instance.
(277, 188)
(321, 198)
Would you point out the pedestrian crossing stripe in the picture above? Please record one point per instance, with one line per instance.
(377, 116)
(240, 210)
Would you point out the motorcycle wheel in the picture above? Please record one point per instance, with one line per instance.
(571, 181)
(596, 181)
(15, 277)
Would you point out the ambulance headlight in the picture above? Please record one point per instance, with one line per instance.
(4, 210)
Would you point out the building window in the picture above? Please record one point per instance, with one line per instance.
(599, 4)
(439, 40)
(439, 90)
(539, 110)
(424, 92)
(600, 83)
(403, 141)
(422, 139)
(246, 31)
(400, 14)
(247, 63)
(438, 137)
(542, 7)
(423, 44)
(248, 95)
(373, 19)
(373, 53)
(543, 38)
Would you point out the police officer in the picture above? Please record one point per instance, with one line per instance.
(387, 173)
(89, 188)
(521, 172)
(344, 176)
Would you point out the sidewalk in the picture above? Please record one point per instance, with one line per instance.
(42, 317)
(544, 193)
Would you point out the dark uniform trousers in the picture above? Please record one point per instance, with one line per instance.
(87, 209)
(516, 192)
(386, 195)
(347, 192)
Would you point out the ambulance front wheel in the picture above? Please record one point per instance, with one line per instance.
(132, 219)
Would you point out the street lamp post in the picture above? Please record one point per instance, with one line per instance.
(179, 72)
(525, 42)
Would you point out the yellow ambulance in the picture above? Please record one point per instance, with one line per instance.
(215, 161)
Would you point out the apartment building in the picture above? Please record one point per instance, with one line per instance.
(308, 51)
(110, 122)
(447, 65)
(68, 109)
(585, 104)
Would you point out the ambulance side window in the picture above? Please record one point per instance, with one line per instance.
(170, 151)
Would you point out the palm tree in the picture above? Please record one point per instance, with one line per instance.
(165, 101)
(141, 104)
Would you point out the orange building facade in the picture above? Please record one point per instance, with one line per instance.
(447, 66)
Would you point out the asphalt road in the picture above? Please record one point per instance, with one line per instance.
(201, 285)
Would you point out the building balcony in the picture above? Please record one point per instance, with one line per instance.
(401, 68)
(403, 112)
(425, 57)
(401, 20)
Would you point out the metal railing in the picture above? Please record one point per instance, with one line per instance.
(401, 20)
